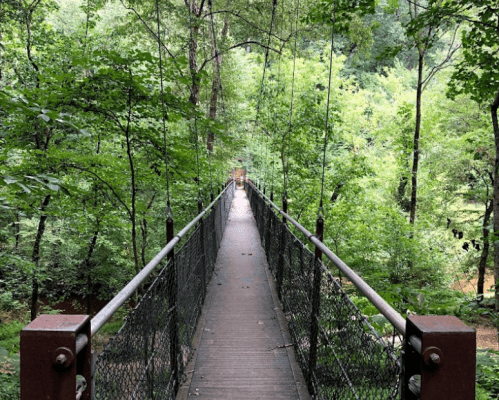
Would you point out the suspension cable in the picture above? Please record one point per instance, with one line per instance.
(274, 5)
(216, 55)
(286, 168)
(196, 136)
(163, 110)
(327, 111)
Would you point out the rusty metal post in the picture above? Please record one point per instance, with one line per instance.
(50, 361)
(439, 359)
(316, 299)
(282, 249)
(203, 252)
(285, 208)
(268, 229)
(172, 302)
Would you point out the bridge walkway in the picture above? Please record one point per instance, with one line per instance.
(243, 347)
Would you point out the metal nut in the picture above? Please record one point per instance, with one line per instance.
(432, 357)
(61, 359)
(435, 358)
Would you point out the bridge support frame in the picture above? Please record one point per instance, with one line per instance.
(439, 359)
(51, 360)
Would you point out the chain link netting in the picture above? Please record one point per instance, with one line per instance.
(339, 352)
(147, 357)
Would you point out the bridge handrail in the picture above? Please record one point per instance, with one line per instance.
(385, 309)
(110, 308)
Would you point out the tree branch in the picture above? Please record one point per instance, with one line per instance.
(104, 182)
(242, 44)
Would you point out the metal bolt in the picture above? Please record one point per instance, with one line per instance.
(61, 359)
(435, 358)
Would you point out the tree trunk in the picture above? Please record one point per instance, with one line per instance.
(133, 211)
(485, 250)
(87, 267)
(133, 208)
(36, 255)
(17, 230)
(215, 86)
(194, 13)
(415, 162)
(495, 124)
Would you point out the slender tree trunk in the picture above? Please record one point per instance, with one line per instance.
(417, 130)
(495, 124)
(143, 230)
(87, 23)
(194, 13)
(36, 254)
(87, 266)
(29, 16)
(17, 230)
(215, 86)
(485, 250)
(133, 210)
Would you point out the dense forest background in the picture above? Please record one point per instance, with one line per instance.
(115, 113)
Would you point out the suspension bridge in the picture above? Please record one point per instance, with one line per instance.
(236, 306)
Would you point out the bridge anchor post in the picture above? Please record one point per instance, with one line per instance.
(56, 358)
(439, 359)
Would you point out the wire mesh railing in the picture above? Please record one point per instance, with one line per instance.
(341, 355)
(146, 358)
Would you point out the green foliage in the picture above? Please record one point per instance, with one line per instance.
(487, 372)
(9, 336)
(9, 375)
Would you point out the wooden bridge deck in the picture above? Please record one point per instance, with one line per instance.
(241, 350)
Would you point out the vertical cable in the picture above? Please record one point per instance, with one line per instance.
(163, 110)
(327, 110)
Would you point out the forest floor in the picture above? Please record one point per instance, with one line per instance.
(486, 332)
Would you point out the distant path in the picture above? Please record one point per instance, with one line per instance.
(241, 352)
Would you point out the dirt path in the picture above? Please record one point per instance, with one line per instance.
(486, 332)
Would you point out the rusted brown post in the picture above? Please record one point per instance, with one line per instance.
(282, 249)
(203, 254)
(172, 302)
(50, 361)
(439, 359)
(316, 304)
(284, 207)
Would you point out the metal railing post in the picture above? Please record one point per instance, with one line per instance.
(282, 248)
(203, 251)
(172, 304)
(316, 298)
(439, 359)
(284, 208)
(52, 359)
